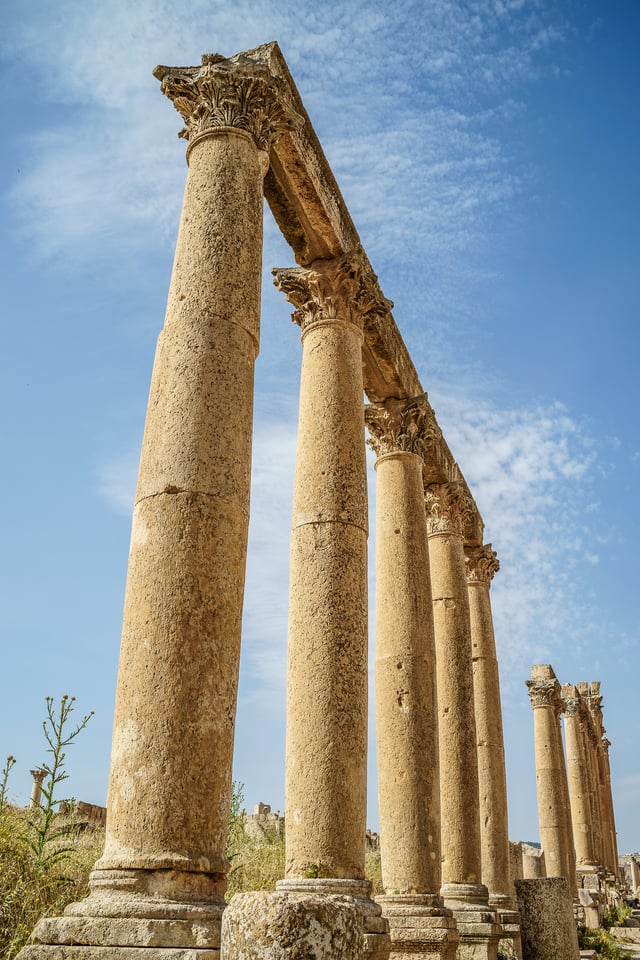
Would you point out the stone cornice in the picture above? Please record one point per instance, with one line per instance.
(544, 693)
(307, 204)
(448, 507)
(344, 288)
(481, 563)
(239, 93)
(407, 426)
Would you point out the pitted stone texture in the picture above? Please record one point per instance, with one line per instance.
(118, 931)
(327, 652)
(40, 951)
(406, 713)
(494, 830)
(290, 926)
(554, 815)
(420, 928)
(548, 929)
(459, 797)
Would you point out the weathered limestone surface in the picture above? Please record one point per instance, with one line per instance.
(406, 718)
(553, 808)
(547, 924)
(164, 857)
(268, 926)
(481, 565)
(326, 751)
(462, 887)
(533, 862)
(574, 712)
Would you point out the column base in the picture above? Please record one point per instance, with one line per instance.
(477, 922)
(129, 916)
(509, 919)
(375, 931)
(421, 927)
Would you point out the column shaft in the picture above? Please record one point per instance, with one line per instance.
(327, 662)
(577, 773)
(544, 691)
(406, 720)
(178, 669)
(494, 830)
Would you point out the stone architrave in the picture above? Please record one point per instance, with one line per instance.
(406, 713)
(553, 807)
(577, 774)
(159, 886)
(462, 887)
(326, 749)
(481, 565)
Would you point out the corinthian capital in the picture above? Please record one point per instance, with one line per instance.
(448, 507)
(401, 425)
(344, 288)
(572, 701)
(544, 693)
(239, 93)
(482, 563)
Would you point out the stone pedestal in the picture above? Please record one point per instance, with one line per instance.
(158, 889)
(326, 751)
(406, 718)
(547, 924)
(462, 888)
(482, 564)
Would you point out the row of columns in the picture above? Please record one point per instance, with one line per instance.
(161, 880)
(575, 804)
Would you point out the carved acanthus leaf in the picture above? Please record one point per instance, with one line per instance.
(481, 563)
(448, 506)
(344, 288)
(402, 425)
(238, 93)
(544, 693)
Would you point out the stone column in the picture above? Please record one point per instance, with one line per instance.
(326, 750)
(612, 820)
(577, 774)
(406, 714)
(544, 691)
(161, 880)
(36, 787)
(590, 745)
(482, 564)
(462, 889)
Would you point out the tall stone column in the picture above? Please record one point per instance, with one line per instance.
(590, 744)
(406, 713)
(577, 774)
(612, 820)
(326, 750)
(462, 888)
(482, 564)
(553, 808)
(161, 880)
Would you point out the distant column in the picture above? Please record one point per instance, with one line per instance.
(482, 564)
(326, 752)
(612, 819)
(590, 744)
(406, 716)
(36, 788)
(577, 772)
(555, 827)
(462, 889)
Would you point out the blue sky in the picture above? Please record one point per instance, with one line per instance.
(488, 152)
